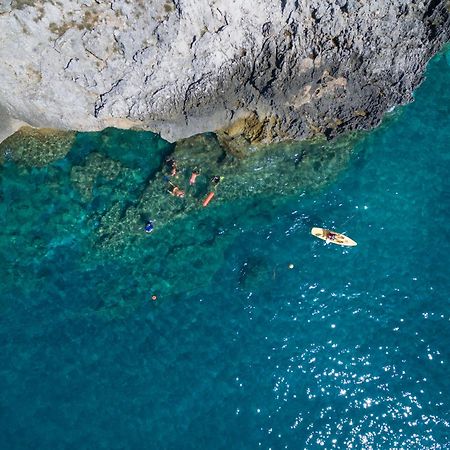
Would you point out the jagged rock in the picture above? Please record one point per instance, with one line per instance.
(257, 72)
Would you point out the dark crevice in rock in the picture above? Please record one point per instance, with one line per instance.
(68, 63)
(100, 104)
(188, 92)
(431, 8)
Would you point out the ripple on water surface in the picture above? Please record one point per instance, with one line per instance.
(346, 349)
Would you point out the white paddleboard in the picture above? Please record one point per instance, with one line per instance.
(333, 237)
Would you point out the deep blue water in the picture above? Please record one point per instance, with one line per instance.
(349, 349)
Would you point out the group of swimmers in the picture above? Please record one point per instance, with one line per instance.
(176, 191)
(173, 168)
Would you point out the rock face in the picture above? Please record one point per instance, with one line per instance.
(259, 71)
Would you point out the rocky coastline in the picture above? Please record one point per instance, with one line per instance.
(254, 74)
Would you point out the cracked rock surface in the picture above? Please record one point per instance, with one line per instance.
(253, 71)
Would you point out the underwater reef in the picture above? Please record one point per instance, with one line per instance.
(122, 178)
(109, 184)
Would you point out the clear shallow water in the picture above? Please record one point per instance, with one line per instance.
(350, 349)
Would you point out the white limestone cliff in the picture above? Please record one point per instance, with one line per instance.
(264, 70)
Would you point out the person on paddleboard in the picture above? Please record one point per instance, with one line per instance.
(331, 236)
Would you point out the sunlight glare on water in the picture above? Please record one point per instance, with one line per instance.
(348, 348)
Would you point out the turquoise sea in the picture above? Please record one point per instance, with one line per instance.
(348, 349)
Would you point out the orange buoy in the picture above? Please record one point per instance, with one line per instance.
(208, 199)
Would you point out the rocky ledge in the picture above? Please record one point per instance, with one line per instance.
(252, 71)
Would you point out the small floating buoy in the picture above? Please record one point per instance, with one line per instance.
(154, 297)
(291, 266)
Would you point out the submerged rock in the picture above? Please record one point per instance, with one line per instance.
(255, 73)
(121, 197)
(36, 147)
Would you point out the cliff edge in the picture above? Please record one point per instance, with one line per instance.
(260, 72)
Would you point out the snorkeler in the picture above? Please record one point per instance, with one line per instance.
(176, 191)
(172, 165)
(194, 175)
(149, 227)
(215, 180)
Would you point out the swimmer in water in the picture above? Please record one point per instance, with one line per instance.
(215, 180)
(194, 175)
(172, 165)
(149, 227)
(176, 191)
